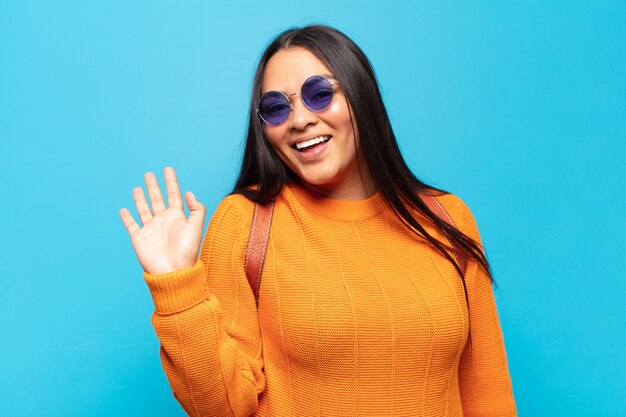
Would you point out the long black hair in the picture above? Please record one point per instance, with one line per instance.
(262, 168)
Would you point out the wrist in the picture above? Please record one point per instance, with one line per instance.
(168, 268)
(179, 290)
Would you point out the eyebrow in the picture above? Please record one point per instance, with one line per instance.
(327, 75)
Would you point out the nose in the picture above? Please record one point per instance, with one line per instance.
(301, 115)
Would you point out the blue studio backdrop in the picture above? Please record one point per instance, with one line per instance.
(517, 107)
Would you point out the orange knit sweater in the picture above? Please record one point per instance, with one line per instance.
(357, 317)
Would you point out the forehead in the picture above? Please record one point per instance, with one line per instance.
(287, 69)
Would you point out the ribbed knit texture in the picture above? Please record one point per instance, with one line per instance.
(357, 317)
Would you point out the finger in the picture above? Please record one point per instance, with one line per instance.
(156, 198)
(142, 205)
(173, 191)
(130, 223)
(197, 211)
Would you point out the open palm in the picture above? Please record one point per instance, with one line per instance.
(168, 241)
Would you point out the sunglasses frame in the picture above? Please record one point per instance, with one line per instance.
(288, 98)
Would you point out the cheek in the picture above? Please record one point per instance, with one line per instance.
(273, 137)
(338, 116)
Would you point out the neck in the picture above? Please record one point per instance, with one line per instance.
(359, 190)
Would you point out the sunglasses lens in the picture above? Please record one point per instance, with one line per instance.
(274, 108)
(317, 93)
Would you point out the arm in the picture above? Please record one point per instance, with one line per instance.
(484, 379)
(206, 320)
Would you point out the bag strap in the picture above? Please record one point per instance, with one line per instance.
(257, 245)
(260, 234)
(435, 206)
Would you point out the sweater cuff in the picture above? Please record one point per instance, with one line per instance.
(176, 291)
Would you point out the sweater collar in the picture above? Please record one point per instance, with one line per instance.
(336, 209)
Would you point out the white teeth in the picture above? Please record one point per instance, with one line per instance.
(311, 142)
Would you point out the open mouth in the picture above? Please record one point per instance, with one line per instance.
(310, 144)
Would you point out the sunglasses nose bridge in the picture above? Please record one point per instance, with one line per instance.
(291, 101)
(291, 105)
(300, 114)
(302, 101)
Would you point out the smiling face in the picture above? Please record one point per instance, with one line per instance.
(319, 147)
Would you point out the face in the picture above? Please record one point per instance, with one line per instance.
(329, 167)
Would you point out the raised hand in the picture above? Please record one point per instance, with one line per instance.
(168, 240)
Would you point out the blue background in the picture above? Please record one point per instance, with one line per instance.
(517, 107)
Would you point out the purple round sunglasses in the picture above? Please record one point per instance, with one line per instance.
(316, 93)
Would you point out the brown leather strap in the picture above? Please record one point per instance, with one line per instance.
(257, 245)
(436, 207)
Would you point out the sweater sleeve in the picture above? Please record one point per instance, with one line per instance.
(206, 321)
(484, 379)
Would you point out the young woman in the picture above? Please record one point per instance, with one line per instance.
(370, 303)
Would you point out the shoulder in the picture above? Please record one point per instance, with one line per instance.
(233, 212)
(235, 202)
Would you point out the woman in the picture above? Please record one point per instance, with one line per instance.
(364, 308)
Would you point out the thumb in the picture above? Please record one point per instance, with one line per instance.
(196, 209)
